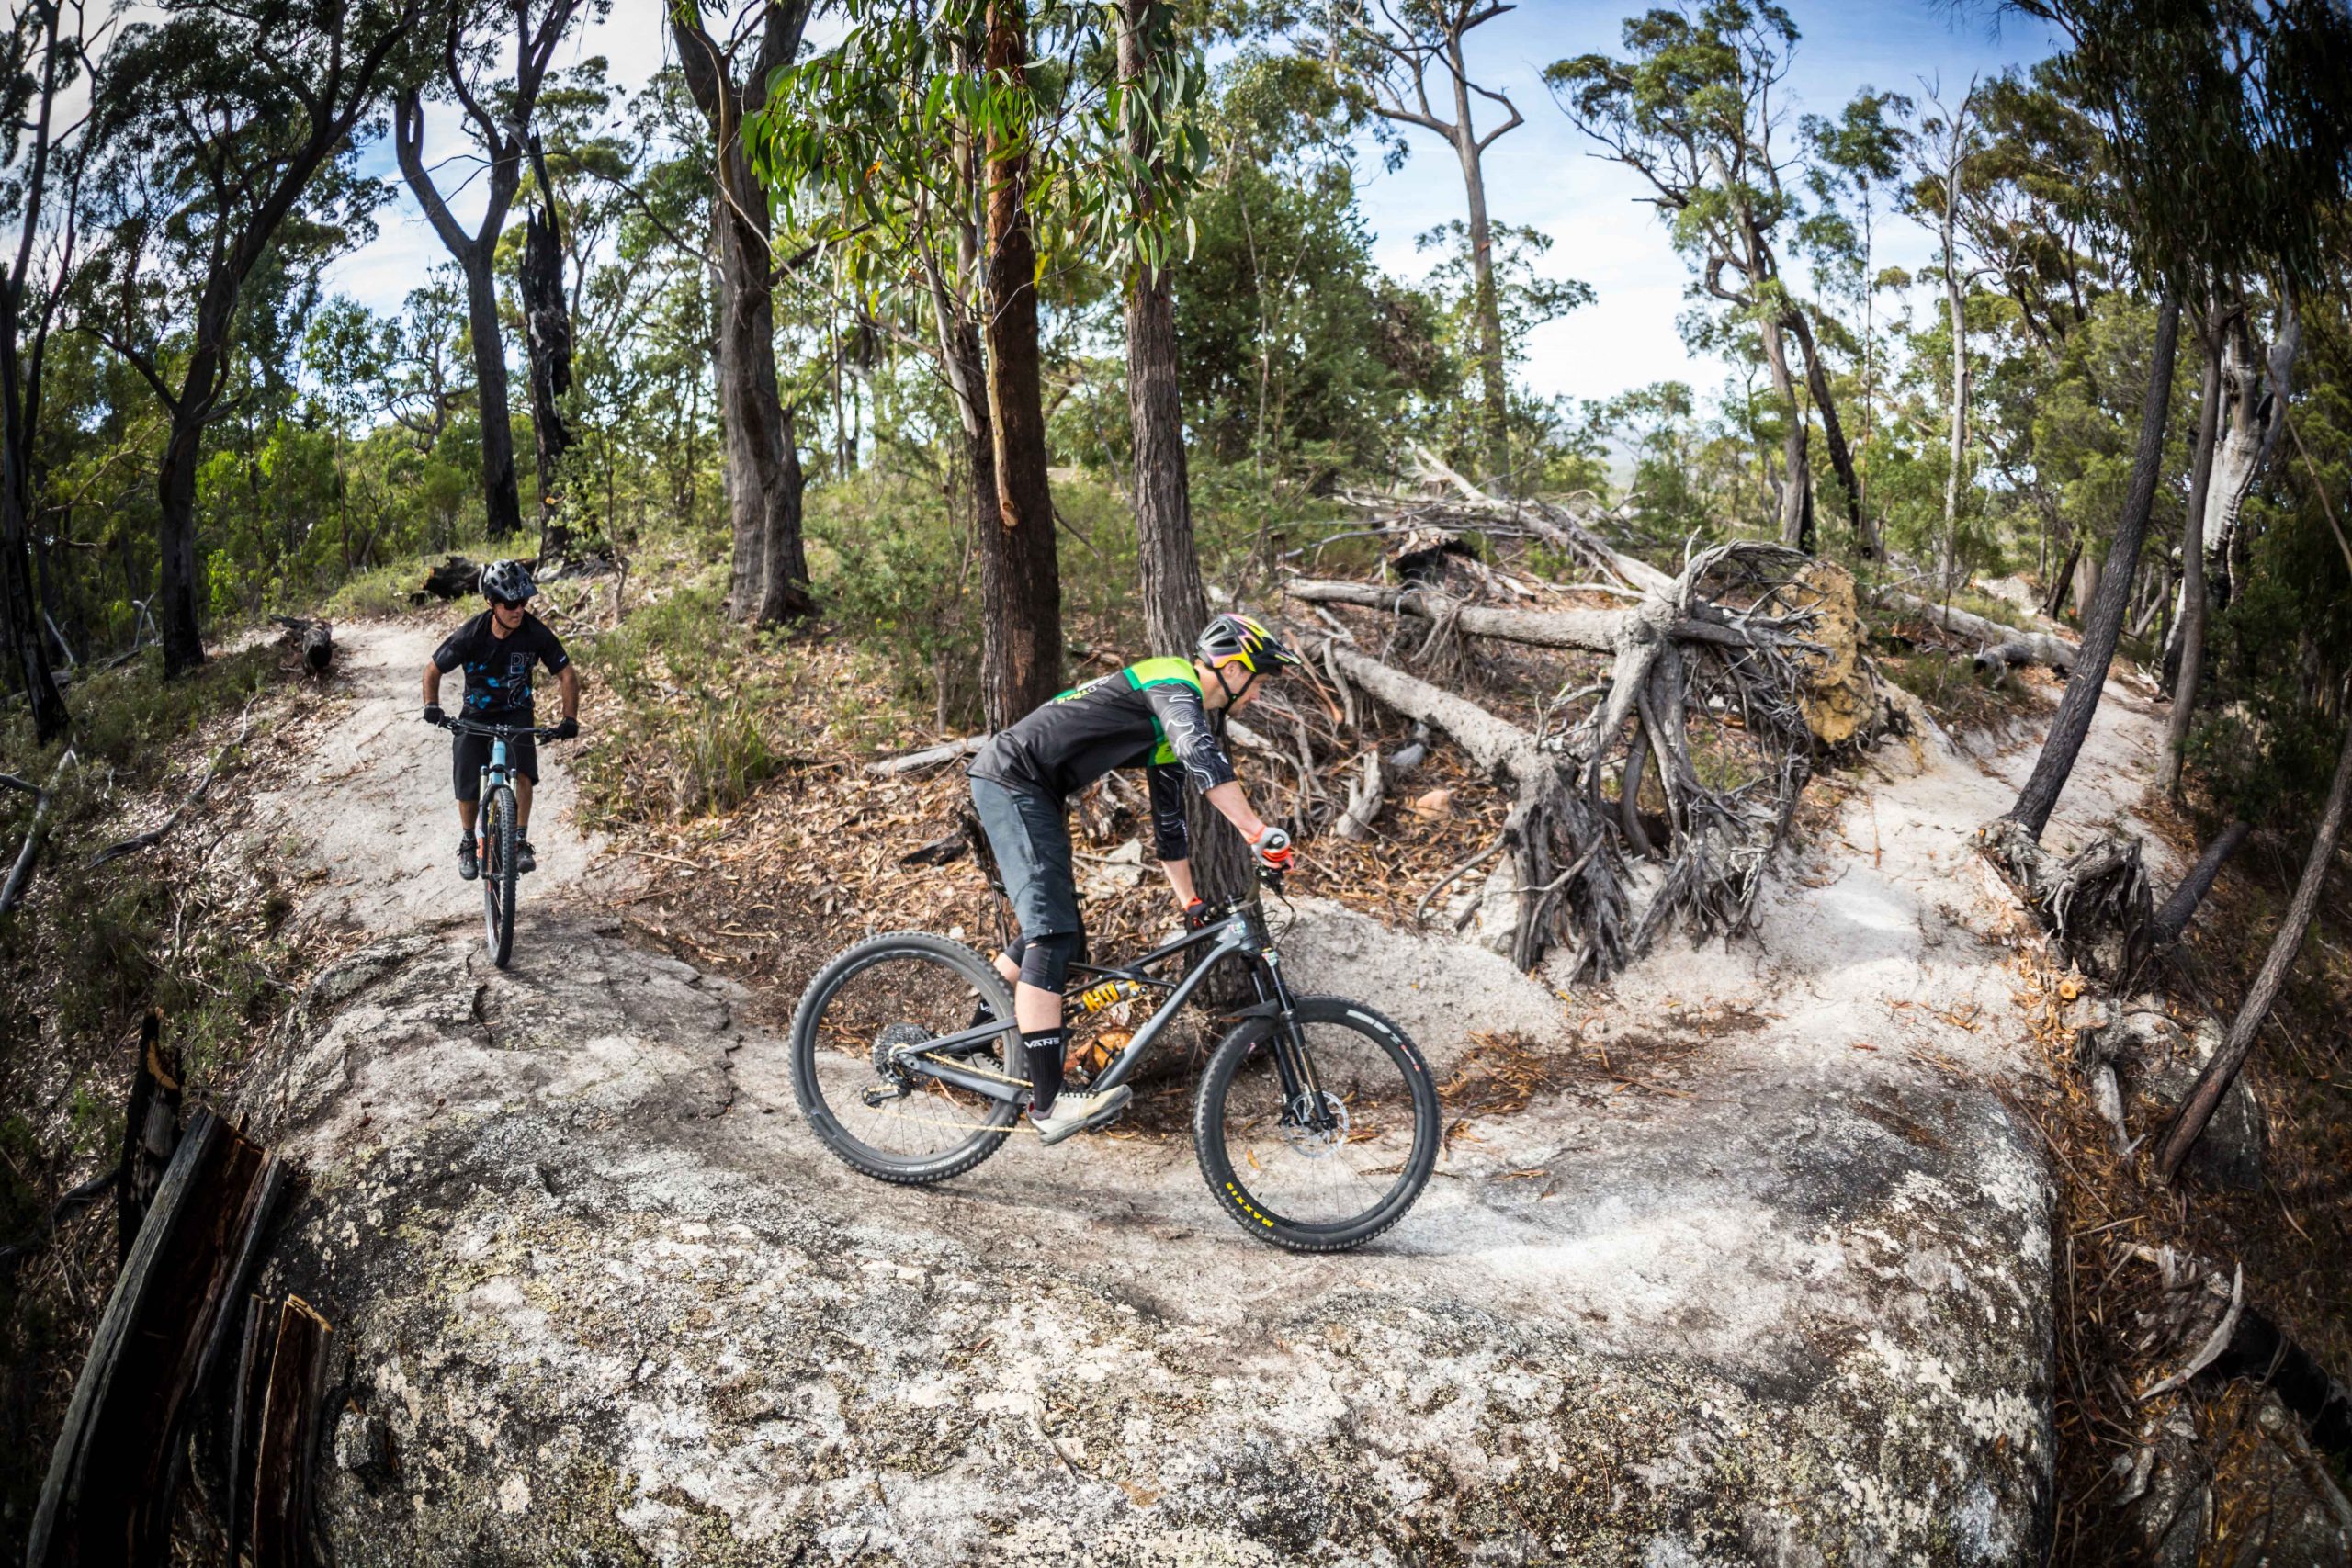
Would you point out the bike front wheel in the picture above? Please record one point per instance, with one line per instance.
(857, 1025)
(1321, 1143)
(498, 873)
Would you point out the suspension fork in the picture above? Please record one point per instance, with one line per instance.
(1293, 1063)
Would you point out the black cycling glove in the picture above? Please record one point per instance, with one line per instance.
(565, 729)
(433, 714)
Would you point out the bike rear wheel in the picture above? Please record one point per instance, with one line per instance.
(498, 873)
(1327, 1182)
(887, 995)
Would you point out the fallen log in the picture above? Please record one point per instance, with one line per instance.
(2005, 647)
(112, 1480)
(42, 794)
(315, 639)
(929, 757)
(1365, 796)
(455, 578)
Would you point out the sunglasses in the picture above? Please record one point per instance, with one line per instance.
(510, 604)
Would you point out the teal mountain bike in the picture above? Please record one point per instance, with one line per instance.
(497, 826)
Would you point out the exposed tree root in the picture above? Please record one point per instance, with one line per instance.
(2096, 902)
(1725, 642)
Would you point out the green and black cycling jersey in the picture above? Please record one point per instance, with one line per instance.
(1147, 716)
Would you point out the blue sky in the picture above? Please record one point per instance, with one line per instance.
(1541, 174)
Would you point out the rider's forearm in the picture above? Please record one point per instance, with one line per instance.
(432, 685)
(1234, 806)
(1180, 877)
(568, 685)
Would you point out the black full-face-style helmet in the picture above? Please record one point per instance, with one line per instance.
(507, 580)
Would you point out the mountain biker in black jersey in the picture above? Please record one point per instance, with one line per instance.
(1154, 715)
(498, 648)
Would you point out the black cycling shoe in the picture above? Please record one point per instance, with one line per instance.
(524, 859)
(468, 866)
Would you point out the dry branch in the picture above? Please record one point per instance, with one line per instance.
(23, 869)
(155, 835)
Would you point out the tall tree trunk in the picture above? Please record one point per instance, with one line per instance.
(1833, 435)
(769, 573)
(2191, 626)
(19, 609)
(1021, 659)
(2205, 1095)
(1175, 604)
(547, 330)
(1495, 391)
(1948, 547)
(1796, 476)
(178, 586)
(2103, 618)
(501, 502)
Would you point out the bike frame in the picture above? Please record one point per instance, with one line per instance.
(1240, 931)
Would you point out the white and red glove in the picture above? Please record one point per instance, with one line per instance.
(1272, 846)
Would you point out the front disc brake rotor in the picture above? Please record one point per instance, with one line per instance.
(1314, 1142)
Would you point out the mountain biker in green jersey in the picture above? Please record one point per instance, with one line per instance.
(499, 650)
(1153, 716)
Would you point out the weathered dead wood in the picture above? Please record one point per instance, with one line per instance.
(2096, 902)
(314, 639)
(2205, 1095)
(157, 834)
(290, 1424)
(22, 871)
(455, 578)
(2004, 646)
(1722, 641)
(929, 757)
(244, 1420)
(151, 1129)
(1365, 792)
(111, 1485)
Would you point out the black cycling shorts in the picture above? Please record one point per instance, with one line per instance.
(470, 755)
(1030, 834)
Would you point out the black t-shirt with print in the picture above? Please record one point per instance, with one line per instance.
(498, 668)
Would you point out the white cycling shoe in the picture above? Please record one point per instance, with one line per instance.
(1075, 1113)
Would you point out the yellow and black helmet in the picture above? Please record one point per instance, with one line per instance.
(1230, 638)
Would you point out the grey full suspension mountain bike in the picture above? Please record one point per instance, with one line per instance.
(1315, 1122)
(497, 826)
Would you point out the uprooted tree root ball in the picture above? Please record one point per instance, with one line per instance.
(1724, 684)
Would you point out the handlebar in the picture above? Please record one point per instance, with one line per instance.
(457, 726)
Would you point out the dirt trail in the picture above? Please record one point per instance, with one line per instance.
(369, 810)
(1783, 1259)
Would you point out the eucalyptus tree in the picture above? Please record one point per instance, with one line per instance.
(42, 153)
(1937, 157)
(496, 114)
(1693, 107)
(729, 73)
(1402, 50)
(224, 132)
(2247, 107)
(933, 153)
